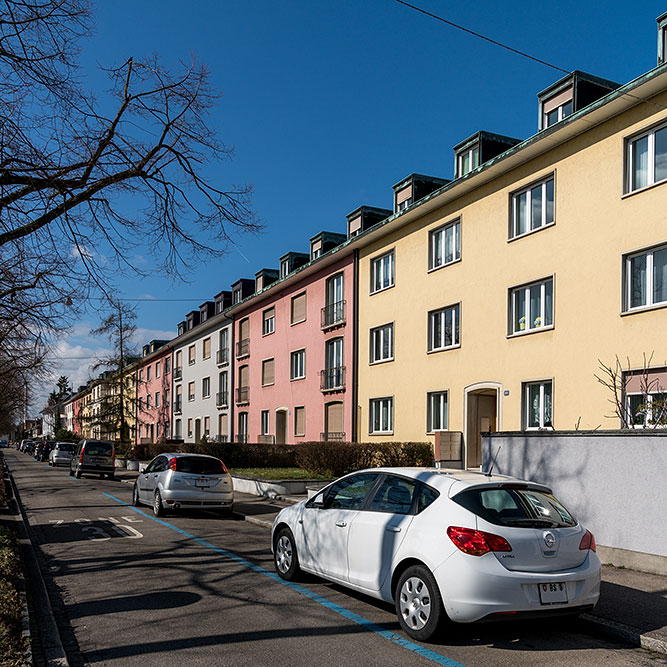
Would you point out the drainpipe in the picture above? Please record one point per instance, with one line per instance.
(355, 347)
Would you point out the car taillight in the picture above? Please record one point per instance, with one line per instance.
(587, 542)
(477, 542)
(224, 467)
(81, 457)
(172, 464)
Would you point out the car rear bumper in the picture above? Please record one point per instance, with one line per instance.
(197, 500)
(475, 588)
(97, 469)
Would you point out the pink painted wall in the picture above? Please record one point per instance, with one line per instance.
(146, 387)
(286, 393)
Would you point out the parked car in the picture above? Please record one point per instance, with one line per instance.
(442, 545)
(62, 453)
(45, 450)
(27, 446)
(4, 443)
(94, 456)
(184, 481)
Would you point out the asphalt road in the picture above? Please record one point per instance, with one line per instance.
(196, 589)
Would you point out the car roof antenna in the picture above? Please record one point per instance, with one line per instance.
(493, 463)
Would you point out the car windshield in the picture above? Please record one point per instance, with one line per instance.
(67, 448)
(199, 465)
(522, 507)
(98, 449)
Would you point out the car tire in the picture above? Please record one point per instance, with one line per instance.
(77, 474)
(418, 603)
(285, 558)
(158, 510)
(71, 473)
(135, 496)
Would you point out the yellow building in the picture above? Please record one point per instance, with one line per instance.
(488, 303)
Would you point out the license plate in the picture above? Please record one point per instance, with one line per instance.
(203, 483)
(552, 593)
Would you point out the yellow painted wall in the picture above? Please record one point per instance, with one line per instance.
(594, 226)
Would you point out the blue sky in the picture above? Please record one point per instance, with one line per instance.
(328, 104)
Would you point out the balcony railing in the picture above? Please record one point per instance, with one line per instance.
(243, 348)
(223, 356)
(242, 395)
(333, 315)
(178, 406)
(242, 438)
(338, 436)
(332, 379)
(178, 372)
(221, 400)
(266, 439)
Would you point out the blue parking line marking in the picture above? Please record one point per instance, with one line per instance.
(346, 613)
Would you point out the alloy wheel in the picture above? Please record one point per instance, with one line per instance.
(415, 603)
(284, 554)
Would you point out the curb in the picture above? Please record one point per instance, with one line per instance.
(627, 633)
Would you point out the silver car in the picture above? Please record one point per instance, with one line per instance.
(184, 481)
(62, 453)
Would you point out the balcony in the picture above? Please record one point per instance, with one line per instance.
(178, 372)
(332, 437)
(178, 406)
(222, 356)
(243, 348)
(242, 438)
(332, 379)
(266, 439)
(242, 395)
(221, 399)
(333, 315)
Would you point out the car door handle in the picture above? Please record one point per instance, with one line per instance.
(394, 529)
(341, 524)
(301, 521)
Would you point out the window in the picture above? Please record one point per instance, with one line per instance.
(243, 427)
(167, 365)
(189, 428)
(557, 114)
(647, 410)
(141, 403)
(166, 397)
(531, 307)
(265, 418)
(206, 387)
(444, 327)
(537, 405)
(207, 426)
(646, 159)
(166, 429)
(467, 160)
(437, 413)
(394, 496)
(532, 208)
(349, 493)
(298, 308)
(284, 268)
(157, 369)
(141, 375)
(382, 343)
(382, 272)
(646, 279)
(191, 391)
(206, 348)
(157, 399)
(445, 245)
(381, 415)
(298, 365)
(178, 433)
(148, 373)
(269, 321)
(300, 421)
(148, 402)
(236, 295)
(191, 355)
(268, 372)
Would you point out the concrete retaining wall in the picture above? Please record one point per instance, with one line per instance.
(615, 482)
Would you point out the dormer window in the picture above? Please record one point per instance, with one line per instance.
(557, 107)
(236, 295)
(403, 198)
(284, 268)
(467, 160)
(662, 39)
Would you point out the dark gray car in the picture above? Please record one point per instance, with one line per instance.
(94, 456)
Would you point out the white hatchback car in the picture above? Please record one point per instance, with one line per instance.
(442, 544)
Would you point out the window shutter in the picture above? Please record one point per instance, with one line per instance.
(268, 375)
(299, 308)
(299, 421)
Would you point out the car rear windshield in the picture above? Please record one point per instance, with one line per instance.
(199, 465)
(67, 448)
(99, 449)
(516, 507)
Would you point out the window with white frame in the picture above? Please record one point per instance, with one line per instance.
(189, 428)
(206, 348)
(382, 272)
(265, 419)
(444, 245)
(298, 365)
(381, 418)
(646, 159)
(191, 391)
(148, 373)
(646, 278)
(444, 328)
(467, 160)
(157, 369)
(192, 354)
(167, 365)
(268, 321)
(382, 343)
(206, 387)
(437, 411)
(532, 208)
(148, 402)
(537, 405)
(531, 307)
(284, 268)
(557, 114)
(157, 399)
(647, 409)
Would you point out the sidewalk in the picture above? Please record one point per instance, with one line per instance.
(632, 606)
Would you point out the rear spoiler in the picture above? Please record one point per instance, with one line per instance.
(454, 489)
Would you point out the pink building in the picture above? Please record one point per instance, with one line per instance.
(154, 393)
(293, 356)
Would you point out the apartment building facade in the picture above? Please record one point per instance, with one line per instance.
(295, 347)
(153, 405)
(497, 296)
